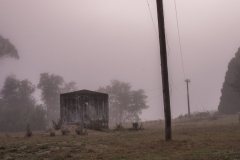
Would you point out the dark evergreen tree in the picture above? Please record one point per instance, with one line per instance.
(230, 98)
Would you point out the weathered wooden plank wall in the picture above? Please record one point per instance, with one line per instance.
(84, 108)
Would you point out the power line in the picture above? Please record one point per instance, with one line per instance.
(167, 36)
(155, 27)
(153, 89)
(173, 82)
(154, 97)
(152, 19)
(198, 99)
(179, 39)
(168, 45)
(167, 53)
(157, 88)
(170, 89)
(179, 82)
(194, 99)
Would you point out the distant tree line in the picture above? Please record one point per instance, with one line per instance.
(126, 104)
(18, 107)
(230, 98)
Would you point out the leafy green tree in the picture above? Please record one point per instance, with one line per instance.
(17, 105)
(9, 92)
(7, 49)
(125, 104)
(69, 87)
(51, 87)
(38, 118)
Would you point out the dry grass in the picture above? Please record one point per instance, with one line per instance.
(218, 139)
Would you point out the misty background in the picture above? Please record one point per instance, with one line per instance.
(92, 42)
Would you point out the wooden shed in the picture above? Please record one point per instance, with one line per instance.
(84, 107)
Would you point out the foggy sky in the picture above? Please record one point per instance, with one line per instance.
(94, 41)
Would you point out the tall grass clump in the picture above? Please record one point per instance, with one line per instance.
(58, 125)
(119, 127)
(64, 131)
(212, 118)
(80, 130)
(136, 126)
(239, 117)
(52, 133)
(29, 132)
(96, 125)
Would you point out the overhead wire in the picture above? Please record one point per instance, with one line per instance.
(194, 100)
(157, 88)
(198, 99)
(154, 97)
(152, 19)
(180, 44)
(179, 39)
(173, 82)
(167, 46)
(158, 39)
(156, 29)
(153, 89)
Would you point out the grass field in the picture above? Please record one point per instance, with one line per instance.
(205, 139)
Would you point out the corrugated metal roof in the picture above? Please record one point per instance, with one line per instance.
(84, 91)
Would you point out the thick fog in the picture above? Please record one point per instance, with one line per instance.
(92, 42)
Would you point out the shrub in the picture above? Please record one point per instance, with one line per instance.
(81, 131)
(65, 131)
(195, 120)
(239, 117)
(29, 132)
(212, 118)
(136, 127)
(141, 127)
(52, 133)
(96, 125)
(57, 125)
(7, 135)
(119, 127)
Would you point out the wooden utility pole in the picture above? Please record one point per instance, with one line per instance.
(164, 66)
(188, 81)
